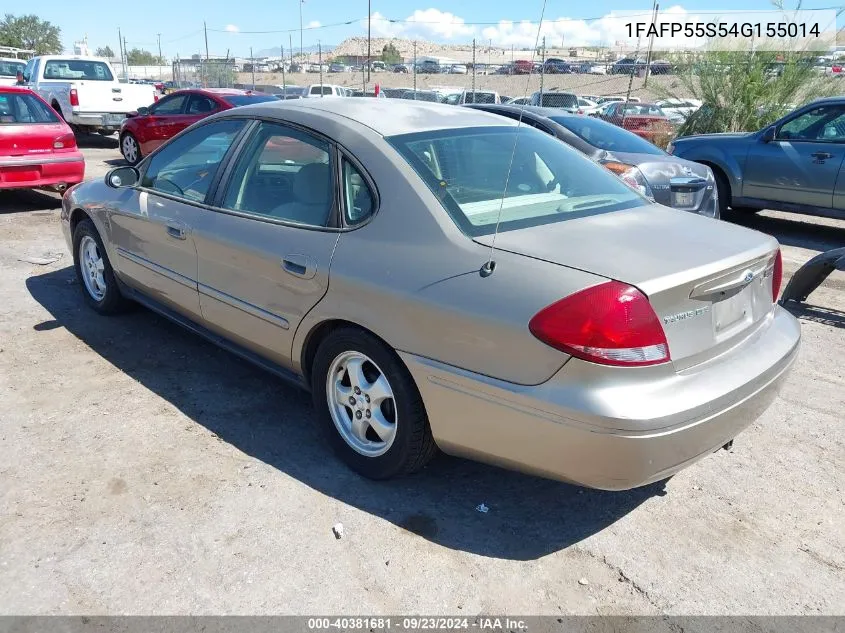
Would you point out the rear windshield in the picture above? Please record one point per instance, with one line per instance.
(10, 68)
(648, 109)
(480, 97)
(606, 136)
(467, 168)
(77, 69)
(24, 108)
(239, 100)
(559, 100)
(422, 96)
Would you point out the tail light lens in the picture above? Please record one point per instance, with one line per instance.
(631, 176)
(74, 97)
(777, 276)
(65, 141)
(155, 98)
(610, 324)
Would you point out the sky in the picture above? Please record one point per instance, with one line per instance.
(235, 27)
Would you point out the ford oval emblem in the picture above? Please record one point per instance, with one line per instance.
(749, 276)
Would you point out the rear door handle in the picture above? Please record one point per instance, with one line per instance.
(300, 265)
(176, 230)
(822, 155)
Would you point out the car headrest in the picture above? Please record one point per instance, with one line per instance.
(313, 184)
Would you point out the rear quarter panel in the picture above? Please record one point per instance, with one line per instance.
(412, 278)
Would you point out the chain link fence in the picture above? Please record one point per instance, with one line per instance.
(203, 73)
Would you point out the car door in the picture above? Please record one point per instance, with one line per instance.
(159, 125)
(151, 227)
(801, 164)
(264, 254)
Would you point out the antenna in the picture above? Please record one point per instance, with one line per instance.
(489, 266)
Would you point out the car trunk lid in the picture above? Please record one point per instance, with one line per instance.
(708, 281)
(30, 139)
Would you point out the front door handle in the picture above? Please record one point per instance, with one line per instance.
(821, 155)
(176, 230)
(300, 265)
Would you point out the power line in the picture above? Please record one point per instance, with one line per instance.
(307, 28)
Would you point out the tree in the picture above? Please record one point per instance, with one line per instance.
(743, 91)
(31, 33)
(140, 57)
(390, 54)
(104, 52)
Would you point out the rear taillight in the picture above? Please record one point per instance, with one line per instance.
(610, 324)
(74, 97)
(777, 276)
(65, 141)
(155, 98)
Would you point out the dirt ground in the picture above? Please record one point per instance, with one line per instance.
(144, 471)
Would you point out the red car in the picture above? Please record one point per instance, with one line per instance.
(37, 148)
(145, 130)
(523, 67)
(646, 120)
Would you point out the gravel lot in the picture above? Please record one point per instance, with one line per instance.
(144, 471)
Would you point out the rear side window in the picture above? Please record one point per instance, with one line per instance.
(358, 198)
(24, 108)
(10, 68)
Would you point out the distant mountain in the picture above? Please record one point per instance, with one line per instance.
(274, 52)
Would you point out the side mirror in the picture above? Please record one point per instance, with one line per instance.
(143, 111)
(768, 135)
(122, 177)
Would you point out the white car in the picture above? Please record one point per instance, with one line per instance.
(678, 110)
(457, 69)
(324, 90)
(519, 101)
(479, 96)
(85, 91)
(9, 69)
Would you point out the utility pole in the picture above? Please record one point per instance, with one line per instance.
(205, 31)
(290, 47)
(284, 84)
(320, 62)
(473, 70)
(301, 54)
(369, 34)
(252, 63)
(159, 55)
(542, 69)
(415, 70)
(202, 70)
(489, 52)
(654, 10)
(122, 56)
(126, 50)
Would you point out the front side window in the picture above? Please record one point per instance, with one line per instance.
(186, 166)
(823, 123)
(24, 108)
(547, 181)
(169, 105)
(283, 174)
(77, 69)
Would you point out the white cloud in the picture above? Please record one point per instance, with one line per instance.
(314, 24)
(443, 26)
(231, 28)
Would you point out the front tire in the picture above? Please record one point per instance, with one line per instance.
(130, 149)
(369, 407)
(94, 271)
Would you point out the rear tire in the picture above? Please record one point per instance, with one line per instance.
(130, 149)
(393, 437)
(94, 272)
(724, 190)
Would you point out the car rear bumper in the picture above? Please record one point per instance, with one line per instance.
(608, 428)
(39, 171)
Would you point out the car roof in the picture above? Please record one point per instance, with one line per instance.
(387, 117)
(14, 89)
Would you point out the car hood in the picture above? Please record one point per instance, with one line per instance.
(652, 247)
(721, 136)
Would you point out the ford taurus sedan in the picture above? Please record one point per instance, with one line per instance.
(441, 277)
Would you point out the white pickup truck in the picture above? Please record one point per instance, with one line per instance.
(85, 91)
